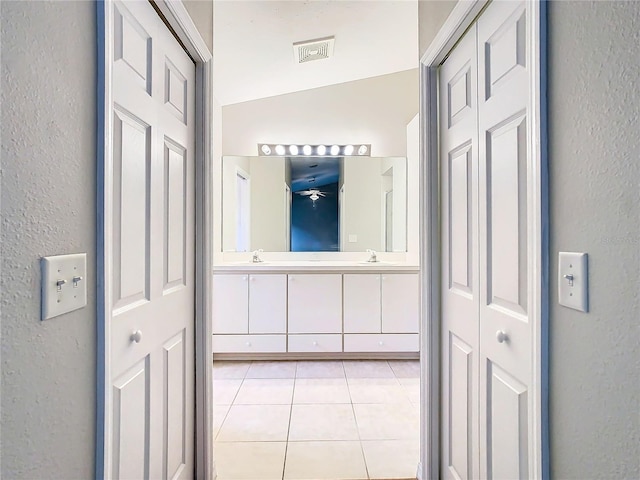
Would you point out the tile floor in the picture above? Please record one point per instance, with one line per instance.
(333, 420)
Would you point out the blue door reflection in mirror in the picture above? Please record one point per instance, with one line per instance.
(314, 209)
(314, 221)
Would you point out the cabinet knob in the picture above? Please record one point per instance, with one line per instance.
(244, 277)
(380, 343)
(501, 336)
(248, 344)
(253, 279)
(136, 336)
(314, 343)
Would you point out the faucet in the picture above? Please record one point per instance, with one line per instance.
(373, 256)
(256, 256)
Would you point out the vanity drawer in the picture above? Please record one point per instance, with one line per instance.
(249, 343)
(315, 343)
(380, 342)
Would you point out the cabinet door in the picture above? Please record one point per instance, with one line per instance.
(268, 303)
(362, 303)
(400, 303)
(230, 304)
(315, 303)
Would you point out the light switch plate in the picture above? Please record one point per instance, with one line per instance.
(573, 280)
(64, 284)
(353, 238)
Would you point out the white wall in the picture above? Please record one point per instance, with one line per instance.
(362, 206)
(268, 220)
(594, 358)
(431, 16)
(48, 207)
(232, 166)
(397, 182)
(413, 191)
(375, 110)
(594, 151)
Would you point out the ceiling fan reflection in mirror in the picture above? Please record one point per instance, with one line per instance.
(313, 193)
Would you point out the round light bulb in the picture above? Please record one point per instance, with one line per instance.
(335, 150)
(321, 150)
(306, 149)
(293, 149)
(348, 150)
(362, 150)
(280, 150)
(266, 149)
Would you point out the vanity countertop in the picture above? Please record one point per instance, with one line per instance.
(314, 266)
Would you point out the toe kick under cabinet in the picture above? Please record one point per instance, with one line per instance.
(315, 313)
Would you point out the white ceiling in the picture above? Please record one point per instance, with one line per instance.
(253, 52)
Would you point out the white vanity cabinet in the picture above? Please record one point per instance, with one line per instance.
(268, 303)
(400, 302)
(315, 313)
(362, 303)
(230, 303)
(315, 303)
(249, 313)
(381, 312)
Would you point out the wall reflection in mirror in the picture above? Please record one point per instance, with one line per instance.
(314, 204)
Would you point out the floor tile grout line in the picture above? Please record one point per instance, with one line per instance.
(286, 445)
(355, 419)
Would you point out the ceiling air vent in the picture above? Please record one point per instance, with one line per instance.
(310, 50)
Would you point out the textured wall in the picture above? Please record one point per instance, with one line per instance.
(48, 195)
(374, 110)
(431, 16)
(48, 208)
(594, 149)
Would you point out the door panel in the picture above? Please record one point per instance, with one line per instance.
(504, 210)
(459, 447)
(131, 161)
(175, 221)
(131, 422)
(460, 269)
(460, 213)
(507, 435)
(175, 446)
(506, 204)
(486, 210)
(153, 256)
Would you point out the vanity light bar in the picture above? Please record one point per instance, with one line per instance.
(281, 149)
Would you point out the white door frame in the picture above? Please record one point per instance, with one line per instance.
(178, 18)
(462, 16)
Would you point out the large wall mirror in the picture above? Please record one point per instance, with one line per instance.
(314, 204)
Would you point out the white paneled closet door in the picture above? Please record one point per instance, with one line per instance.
(487, 364)
(151, 266)
(460, 266)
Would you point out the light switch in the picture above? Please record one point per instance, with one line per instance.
(573, 281)
(353, 238)
(64, 284)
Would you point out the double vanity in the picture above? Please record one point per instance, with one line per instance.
(308, 309)
(321, 291)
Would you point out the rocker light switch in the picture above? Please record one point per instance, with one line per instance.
(64, 285)
(573, 281)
